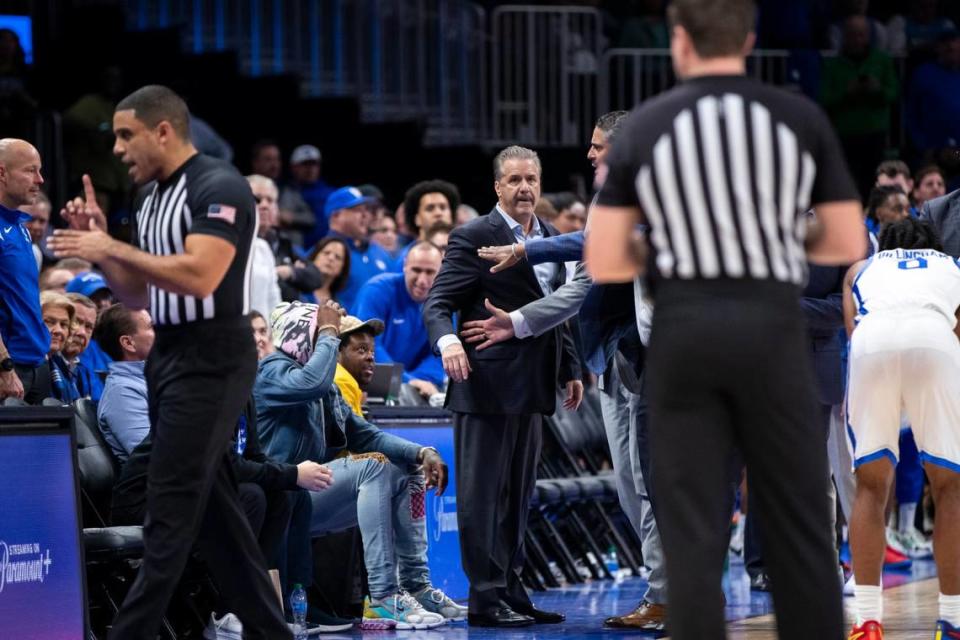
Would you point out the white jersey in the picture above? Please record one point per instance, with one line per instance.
(908, 280)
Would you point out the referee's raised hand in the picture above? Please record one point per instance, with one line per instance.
(80, 211)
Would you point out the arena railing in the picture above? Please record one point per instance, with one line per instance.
(402, 59)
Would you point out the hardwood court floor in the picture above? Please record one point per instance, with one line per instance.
(909, 612)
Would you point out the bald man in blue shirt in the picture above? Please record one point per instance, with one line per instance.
(24, 339)
(397, 299)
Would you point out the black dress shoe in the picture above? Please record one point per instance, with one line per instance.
(502, 616)
(539, 616)
(760, 582)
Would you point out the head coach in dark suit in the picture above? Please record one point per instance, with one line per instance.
(499, 395)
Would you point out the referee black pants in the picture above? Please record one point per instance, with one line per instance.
(729, 369)
(199, 377)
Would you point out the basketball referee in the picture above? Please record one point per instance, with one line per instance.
(722, 168)
(194, 228)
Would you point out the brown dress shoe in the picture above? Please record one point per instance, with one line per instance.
(647, 616)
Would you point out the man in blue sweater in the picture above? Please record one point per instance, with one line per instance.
(397, 299)
(347, 211)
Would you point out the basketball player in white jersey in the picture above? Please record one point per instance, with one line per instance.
(900, 308)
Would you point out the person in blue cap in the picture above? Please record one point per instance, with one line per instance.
(24, 339)
(349, 217)
(93, 285)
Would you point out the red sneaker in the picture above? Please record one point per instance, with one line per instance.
(869, 630)
(894, 560)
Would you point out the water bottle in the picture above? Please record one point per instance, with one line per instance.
(613, 566)
(298, 604)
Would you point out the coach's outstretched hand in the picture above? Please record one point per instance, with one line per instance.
(497, 328)
(574, 395)
(505, 256)
(455, 362)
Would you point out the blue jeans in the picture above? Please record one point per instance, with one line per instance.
(387, 503)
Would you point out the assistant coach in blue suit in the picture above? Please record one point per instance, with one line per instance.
(499, 395)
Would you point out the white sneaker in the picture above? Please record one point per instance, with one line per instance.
(400, 611)
(228, 627)
(432, 599)
(895, 543)
(849, 586)
(916, 545)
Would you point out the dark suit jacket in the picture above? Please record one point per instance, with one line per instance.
(944, 213)
(513, 377)
(823, 310)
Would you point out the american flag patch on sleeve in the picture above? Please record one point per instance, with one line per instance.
(222, 212)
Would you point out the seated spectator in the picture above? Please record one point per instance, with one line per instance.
(69, 362)
(397, 299)
(58, 314)
(294, 276)
(265, 159)
(427, 203)
(127, 337)
(933, 100)
(894, 172)
(571, 216)
(261, 334)
(928, 184)
(306, 165)
(55, 279)
(302, 415)
(439, 235)
(303, 197)
(384, 233)
(919, 31)
(858, 88)
(92, 285)
(331, 257)
(37, 226)
(355, 359)
(878, 32)
(349, 221)
(571, 213)
(269, 493)
(885, 205)
(465, 213)
(264, 286)
(545, 210)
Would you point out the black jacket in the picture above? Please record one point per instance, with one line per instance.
(129, 503)
(513, 377)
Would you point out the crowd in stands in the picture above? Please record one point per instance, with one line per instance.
(345, 261)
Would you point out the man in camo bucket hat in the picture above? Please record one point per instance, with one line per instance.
(301, 415)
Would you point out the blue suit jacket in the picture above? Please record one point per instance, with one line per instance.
(607, 313)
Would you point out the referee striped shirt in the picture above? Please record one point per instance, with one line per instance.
(723, 169)
(206, 196)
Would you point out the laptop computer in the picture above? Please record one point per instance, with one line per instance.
(385, 384)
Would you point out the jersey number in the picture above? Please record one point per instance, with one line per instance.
(916, 263)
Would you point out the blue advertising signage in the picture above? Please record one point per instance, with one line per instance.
(41, 575)
(443, 538)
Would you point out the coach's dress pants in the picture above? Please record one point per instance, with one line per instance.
(199, 377)
(729, 369)
(625, 421)
(496, 474)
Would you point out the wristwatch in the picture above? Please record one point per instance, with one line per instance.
(6, 364)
